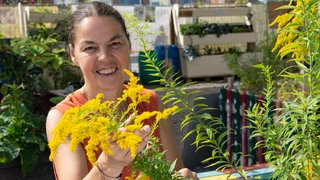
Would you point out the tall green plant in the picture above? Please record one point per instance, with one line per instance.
(243, 67)
(292, 137)
(207, 133)
(21, 130)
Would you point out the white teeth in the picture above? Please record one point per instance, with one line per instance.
(107, 71)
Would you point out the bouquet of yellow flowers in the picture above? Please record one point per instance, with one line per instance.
(99, 123)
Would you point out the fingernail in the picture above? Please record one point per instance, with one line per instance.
(147, 128)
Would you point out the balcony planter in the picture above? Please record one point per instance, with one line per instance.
(207, 66)
(245, 37)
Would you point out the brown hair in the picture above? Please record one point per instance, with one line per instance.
(94, 9)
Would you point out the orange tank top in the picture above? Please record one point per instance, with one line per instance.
(77, 98)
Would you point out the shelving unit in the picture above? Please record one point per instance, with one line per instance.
(205, 66)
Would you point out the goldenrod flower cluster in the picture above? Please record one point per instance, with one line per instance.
(99, 122)
(290, 25)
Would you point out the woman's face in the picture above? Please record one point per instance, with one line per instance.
(102, 51)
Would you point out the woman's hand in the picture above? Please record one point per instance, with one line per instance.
(187, 173)
(113, 164)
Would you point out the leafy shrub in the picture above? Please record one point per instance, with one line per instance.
(251, 79)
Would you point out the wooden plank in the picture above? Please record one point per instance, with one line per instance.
(46, 17)
(185, 13)
(214, 11)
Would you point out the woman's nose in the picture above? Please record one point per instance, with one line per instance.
(104, 54)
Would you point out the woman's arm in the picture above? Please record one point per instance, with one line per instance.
(68, 165)
(170, 145)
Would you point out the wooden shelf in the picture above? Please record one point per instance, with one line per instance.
(46, 17)
(212, 39)
(214, 65)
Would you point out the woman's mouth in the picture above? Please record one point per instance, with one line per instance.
(107, 71)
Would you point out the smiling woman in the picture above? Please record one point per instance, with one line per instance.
(100, 58)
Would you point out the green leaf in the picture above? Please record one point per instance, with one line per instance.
(285, 7)
(38, 48)
(58, 50)
(8, 152)
(4, 89)
(173, 165)
(57, 99)
(50, 40)
(57, 63)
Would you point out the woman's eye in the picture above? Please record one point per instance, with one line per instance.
(115, 44)
(89, 48)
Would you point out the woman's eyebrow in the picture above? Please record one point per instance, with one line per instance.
(87, 42)
(117, 36)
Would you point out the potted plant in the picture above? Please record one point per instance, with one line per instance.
(243, 69)
(22, 131)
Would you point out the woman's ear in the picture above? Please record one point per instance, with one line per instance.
(72, 56)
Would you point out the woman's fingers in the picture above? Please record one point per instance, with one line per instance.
(185, 172)
(144, 131)
(124, 155)
(128, 121)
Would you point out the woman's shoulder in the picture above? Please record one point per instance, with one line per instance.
(74, 99)
(55, 114)
(153, 93)
(153, 104)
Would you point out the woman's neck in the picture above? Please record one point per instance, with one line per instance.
(110, 95)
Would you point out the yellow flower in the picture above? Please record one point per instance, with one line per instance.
(133, 127)
(133, 79)
(143, 116)
(129, 140)
(164, 115)
(143, 177)
(132, 177)
(289, 30)
(167, 112)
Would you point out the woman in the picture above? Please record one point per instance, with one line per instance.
(100, 46)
